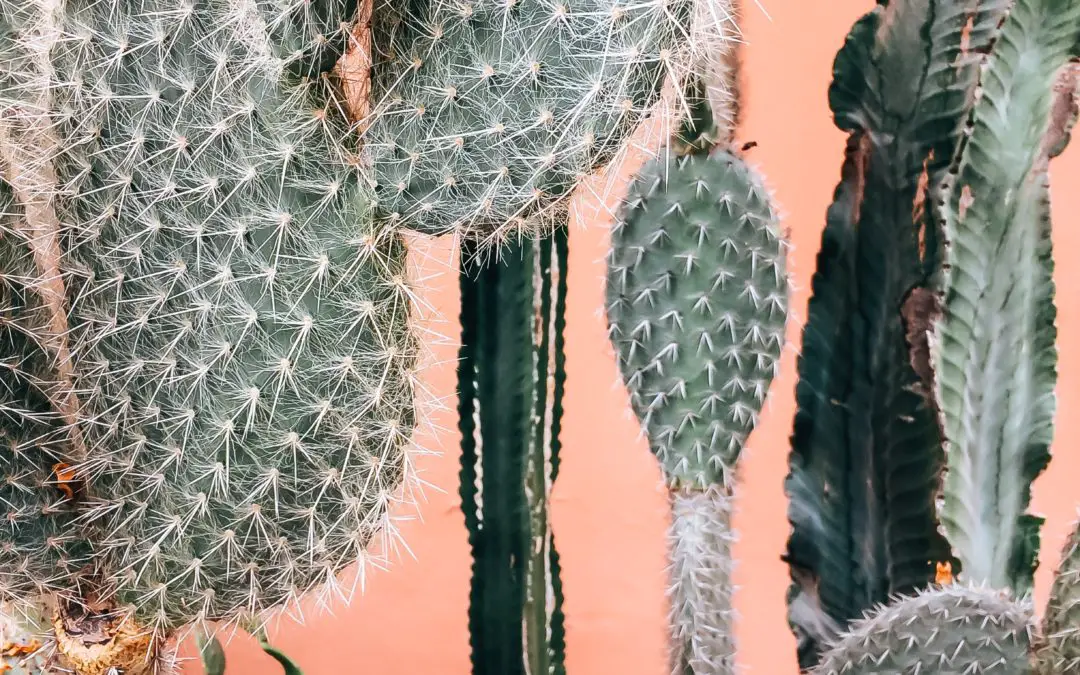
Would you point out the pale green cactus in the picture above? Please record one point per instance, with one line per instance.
(697, 297)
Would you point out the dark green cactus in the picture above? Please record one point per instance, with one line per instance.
(994, 348)
(866, 454)
(487, 113)
(952, 629)
(697, 297)
(511, 377)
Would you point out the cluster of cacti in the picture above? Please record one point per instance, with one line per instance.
(208, 357)
(697, 296)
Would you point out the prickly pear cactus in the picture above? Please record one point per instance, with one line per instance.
(238, 324)
(486, 113)
(994, 348)
(697, 306)
(952, 629)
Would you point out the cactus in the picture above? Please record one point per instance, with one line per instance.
(511, 378)
(951, 629)
(865, 457)
(994, 348)
(487, 113)
(239, 325)
(697, 305)
(1061, 620)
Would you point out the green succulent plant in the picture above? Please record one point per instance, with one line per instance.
(697, 297)
(931, 329)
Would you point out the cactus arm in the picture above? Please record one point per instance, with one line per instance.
(865, 449)
(948, 629)
(510, 374)
(994, 348)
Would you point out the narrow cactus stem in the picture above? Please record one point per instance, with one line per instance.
(697, 307)
(700, 589)
(510, 404)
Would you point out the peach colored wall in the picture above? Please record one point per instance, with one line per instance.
(609, 512)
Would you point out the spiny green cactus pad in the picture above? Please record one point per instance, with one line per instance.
(239, 325)
(994, 349)
(1061, 621)
(487, 112)
(951, 630)
(697, 305)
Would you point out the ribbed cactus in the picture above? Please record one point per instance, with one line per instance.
(994, 348)
(865, 451)
(951, 629)
(239, 326)
(487, 113)
(511, 378)
(697, 306)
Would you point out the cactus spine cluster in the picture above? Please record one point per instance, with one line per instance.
(697, 306)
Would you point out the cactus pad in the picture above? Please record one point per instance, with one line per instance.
(487, 112)
(239, 325)
(697, 304)
(950, 630)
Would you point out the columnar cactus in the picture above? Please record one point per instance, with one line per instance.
(697, 306)
(967, 283)
(511, 378)
(994, 348)
(866, 457)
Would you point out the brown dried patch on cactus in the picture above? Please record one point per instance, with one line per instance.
(22, 144)
(101, 641)
(354, 68)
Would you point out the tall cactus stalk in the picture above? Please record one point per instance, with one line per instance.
(697, 306)
(976, 307)
(994, 348)
(865, 451)
(511, 380)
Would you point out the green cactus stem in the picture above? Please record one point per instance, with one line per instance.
(511, 379)
(697, 307)
(866, 455)
(994, 347)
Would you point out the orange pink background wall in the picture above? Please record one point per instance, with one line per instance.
(608, 509)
